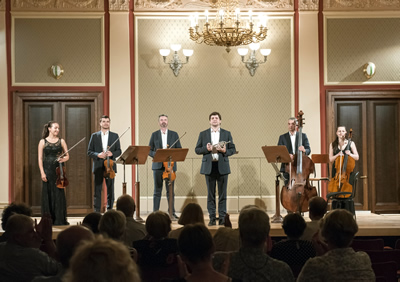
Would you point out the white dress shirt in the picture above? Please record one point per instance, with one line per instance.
(215, 140)
(104, 140)
(164, 138)
(293, 141)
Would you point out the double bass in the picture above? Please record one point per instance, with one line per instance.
(344, 166)
(296, 194)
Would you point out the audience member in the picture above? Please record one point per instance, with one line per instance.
(293, 251)
(317, 209)
(196, 248)
(13, 208)
(92, 221)
(157, 249)
(102, 259)
(191, 214)
(251, 263)
(112, 225)
(134, 230)
(341, 263)
(20, 257)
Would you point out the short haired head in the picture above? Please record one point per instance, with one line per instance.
(214, 114)
(21, 231)
(126, 204)
(92, 221)
(69, 239)
(162, 115)
(294, 225)
(253, 227)
(317, 207)
(191, 214)
(105, 117)
(158, 224)
(338, 228)
(14, 208)
(195, 243)
(102, 259)
(112, 224)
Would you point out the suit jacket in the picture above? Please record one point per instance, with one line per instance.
(284, 139)
(96, 147)
(223, 160)
(156, 143)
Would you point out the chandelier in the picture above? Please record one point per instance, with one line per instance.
(227, 28)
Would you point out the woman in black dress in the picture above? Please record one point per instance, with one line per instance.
(50, 149)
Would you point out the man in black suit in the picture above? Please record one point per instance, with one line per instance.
(291, 141)
(162, 139)
(98, 150)
(215, 164)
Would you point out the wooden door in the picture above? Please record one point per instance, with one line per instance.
(375, 120)
(76, 114)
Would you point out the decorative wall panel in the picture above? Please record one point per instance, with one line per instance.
(361, 5)
(57, 5)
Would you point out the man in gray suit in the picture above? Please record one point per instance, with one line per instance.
(162, 139)
(98, 150)
(216, 145)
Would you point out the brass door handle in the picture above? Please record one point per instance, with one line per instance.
(363, 177)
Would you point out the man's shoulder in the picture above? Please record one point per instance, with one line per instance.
(204, 131)
(284, 134)
(224, 131)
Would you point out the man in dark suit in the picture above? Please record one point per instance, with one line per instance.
(162, 139)
(98, 150)
(215, 164)
(291, 141)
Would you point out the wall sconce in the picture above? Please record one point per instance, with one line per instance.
(176, 64)
(57, 71)
(252, 63)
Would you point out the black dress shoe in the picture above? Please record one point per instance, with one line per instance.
(175, 217)
(221, 221)
(212, 222)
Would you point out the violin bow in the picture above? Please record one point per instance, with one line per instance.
(63, 154)
(177, 140)
(119, 137)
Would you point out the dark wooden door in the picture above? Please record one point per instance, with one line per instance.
(375, 120)
(76, 117)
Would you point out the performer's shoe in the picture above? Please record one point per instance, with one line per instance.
(175, 217)
(221, 221)
(212, 222)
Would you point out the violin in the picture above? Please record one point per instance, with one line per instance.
(108, 165)
(344, 166)
(62, 180)
(169, 172)
(296, 194)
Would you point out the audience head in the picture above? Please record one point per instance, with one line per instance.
(112, 224)
(126, 204)
(294, 225)
(195, 243)
(20, 229)
(102, 259)
(14, 208)
(253, 227)
(317, 207)
(158, 225)
(92, 221)
(191, 214)
(69, 239)
(338, 228)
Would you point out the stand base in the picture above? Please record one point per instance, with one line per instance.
(277, 218)
(139, 219)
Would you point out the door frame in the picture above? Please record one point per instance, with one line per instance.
(332, 95)
(19, 156)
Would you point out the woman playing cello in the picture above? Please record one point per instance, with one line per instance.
(338, 147)
(49, 150)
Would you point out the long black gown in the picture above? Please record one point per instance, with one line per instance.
(53, 198)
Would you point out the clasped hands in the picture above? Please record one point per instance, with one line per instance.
(104, 155)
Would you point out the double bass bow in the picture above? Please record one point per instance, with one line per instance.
(344, 166)
(296, 194)
(109, 163)
(62, 180)
(169, 171)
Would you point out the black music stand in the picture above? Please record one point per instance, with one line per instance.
(134, 155)
(274, 155)
(170, 155)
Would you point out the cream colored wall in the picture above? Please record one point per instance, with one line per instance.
(3, 112)
(120, 93)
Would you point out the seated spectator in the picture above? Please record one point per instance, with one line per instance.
(191, 214)
(341, 263)
(134, 230)
(112, 225)
(13, 208)
(157, 249)
(67, 241)
(102, 259)
(196, 248)
(92, 221)
(317, 207)
(293, 251)
(251, 263)
(20, 257)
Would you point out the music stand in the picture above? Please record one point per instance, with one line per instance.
(274, 155)
(170, 155)
(134, 155)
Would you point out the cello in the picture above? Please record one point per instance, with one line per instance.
(344, 166)
(296, 194)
